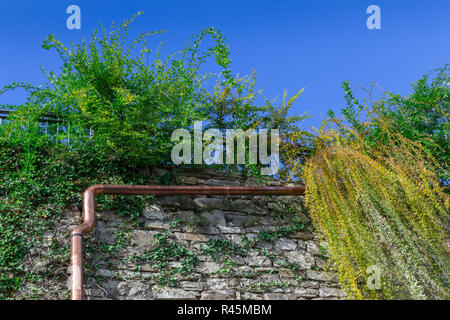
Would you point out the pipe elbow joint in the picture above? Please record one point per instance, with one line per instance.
(95, 189)
(82, 229)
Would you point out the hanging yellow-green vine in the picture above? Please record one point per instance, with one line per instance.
(380, 207)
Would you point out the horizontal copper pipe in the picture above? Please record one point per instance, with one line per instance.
(89, 213)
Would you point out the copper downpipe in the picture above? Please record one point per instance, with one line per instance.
(76, 238)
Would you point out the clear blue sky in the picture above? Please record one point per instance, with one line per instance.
(291, 44)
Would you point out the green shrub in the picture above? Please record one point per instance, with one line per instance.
(107, 87)
(422, 116)
(118, 112)
(380, 207)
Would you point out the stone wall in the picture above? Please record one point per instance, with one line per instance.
(237, 247)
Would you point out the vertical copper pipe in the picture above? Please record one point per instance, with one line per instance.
(76, 238)
(76, 261)
(76, 241)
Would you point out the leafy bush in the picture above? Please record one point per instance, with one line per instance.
(117, 114)
(376, 190)
(380, 205)
(34, 192)
(422, 116)
(132, 107)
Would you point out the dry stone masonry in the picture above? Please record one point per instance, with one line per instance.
(236, 247)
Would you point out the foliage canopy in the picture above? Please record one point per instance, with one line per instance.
(106, 86)
(422, 116)
(380, 205)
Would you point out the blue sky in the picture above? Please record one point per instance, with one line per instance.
(291, 44)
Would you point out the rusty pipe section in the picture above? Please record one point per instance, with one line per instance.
(76, 237)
